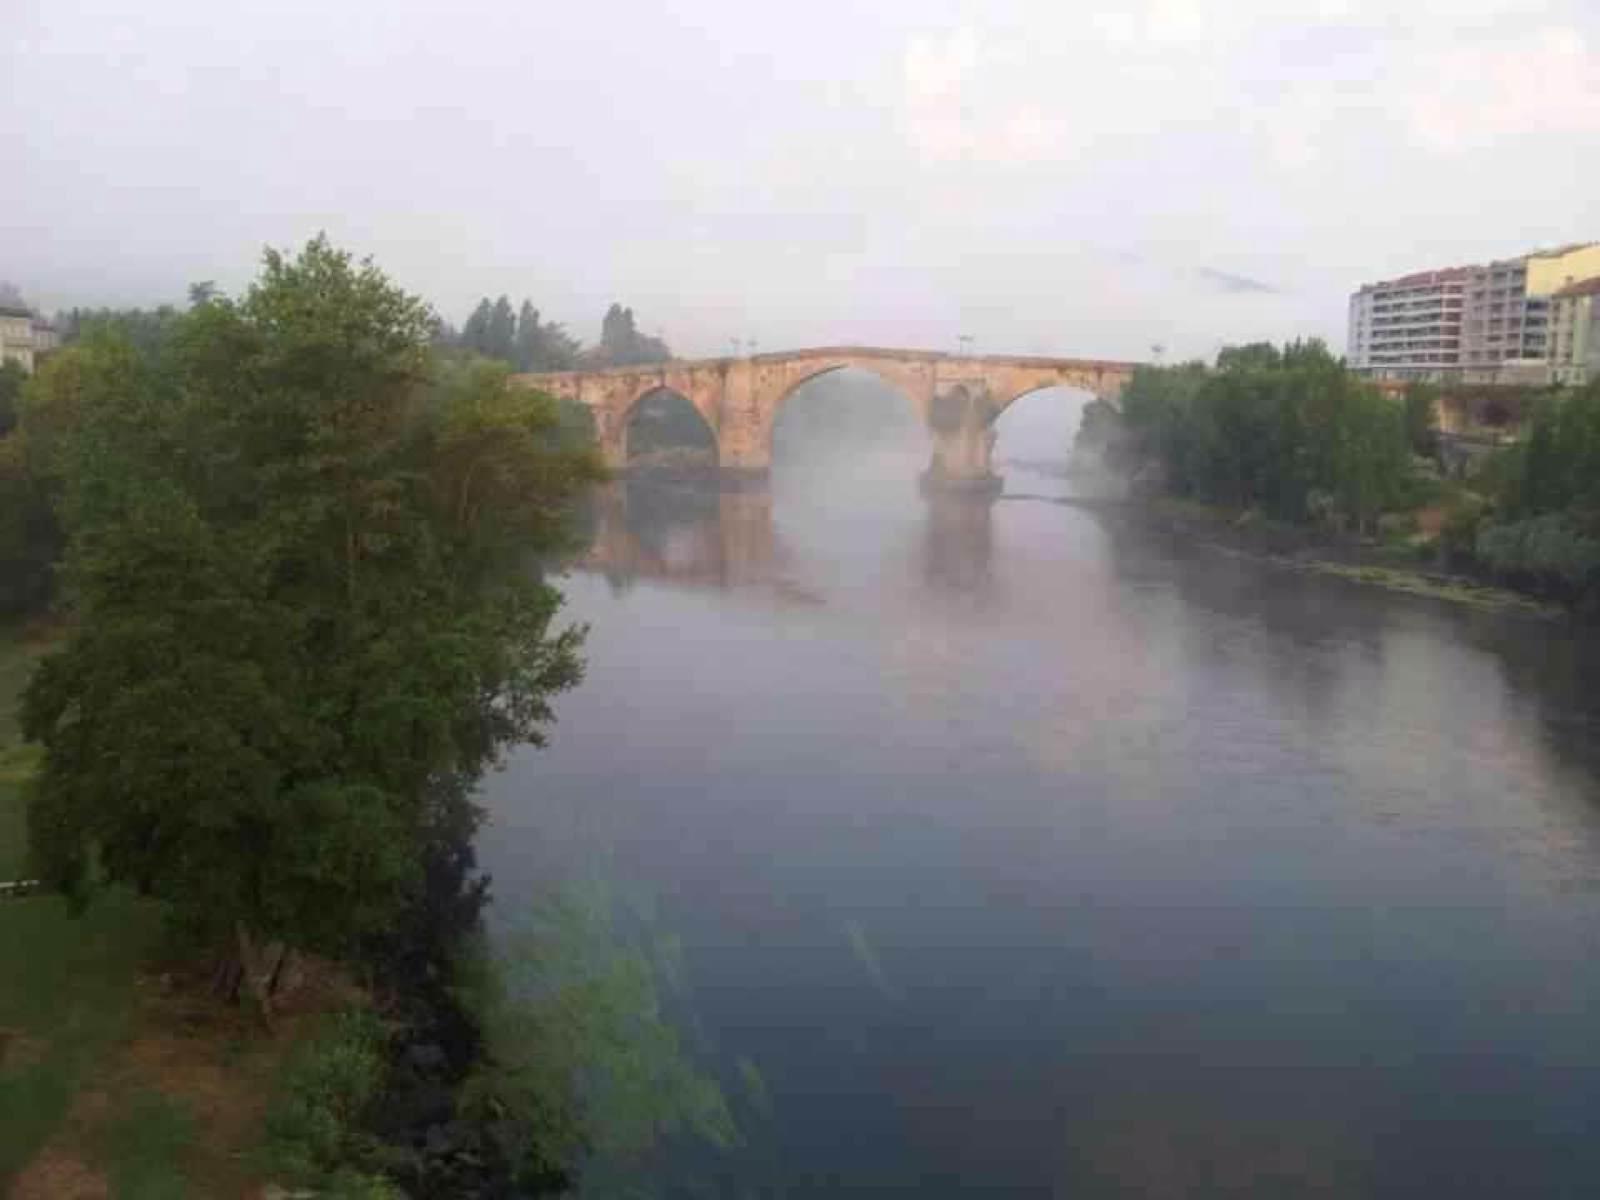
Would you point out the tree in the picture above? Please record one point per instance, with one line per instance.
(147, 329)
(296, 557)
(1253, 356)
(621, 343)
(12, 377)
(1290, 432)
(1422, 412)
(475, 333)
(528, 339)
(500, 338)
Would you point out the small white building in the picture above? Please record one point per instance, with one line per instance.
(24, 336)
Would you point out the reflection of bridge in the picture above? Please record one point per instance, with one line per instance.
(956, 398)
(727, 538)
(720, 539)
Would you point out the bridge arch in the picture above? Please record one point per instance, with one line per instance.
(1096, 388)
(796, 382)
(658, 418)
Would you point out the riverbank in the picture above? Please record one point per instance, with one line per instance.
(1412, 568)
(123, 1074)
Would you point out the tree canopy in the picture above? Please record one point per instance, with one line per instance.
(303, 608)
(1290, 432)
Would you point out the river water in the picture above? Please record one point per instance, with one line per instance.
(1013, 849)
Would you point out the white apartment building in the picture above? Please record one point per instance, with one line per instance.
(1409, 328)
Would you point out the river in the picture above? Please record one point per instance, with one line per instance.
(1013, 849)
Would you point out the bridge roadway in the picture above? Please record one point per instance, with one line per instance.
(957, 397)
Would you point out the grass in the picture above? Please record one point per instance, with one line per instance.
(68, 999)
(67, 991)
(145, 1145)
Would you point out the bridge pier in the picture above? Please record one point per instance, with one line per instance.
(961, 426)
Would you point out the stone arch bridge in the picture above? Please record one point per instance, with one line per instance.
(956, 397)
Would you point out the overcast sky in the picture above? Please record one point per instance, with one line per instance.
(1045, 176)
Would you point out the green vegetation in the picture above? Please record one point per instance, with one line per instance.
(664, 424)
(1288, 432)
(301, 610)
(67, 1000)
(1422, 418)
(1293, 436)
(299, 619)
(521, 340)
(1542, 527)
(314, 1136)
(144, 1146)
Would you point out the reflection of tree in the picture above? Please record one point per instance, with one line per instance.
(958, 541)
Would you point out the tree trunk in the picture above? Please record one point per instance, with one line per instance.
(255, 979)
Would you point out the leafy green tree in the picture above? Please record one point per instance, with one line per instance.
(1422, 416)
(1253, 356)
(12, 377)
(147, 329)
(296, 559)
(501, 336)
(1290, 432)
(1547, 491)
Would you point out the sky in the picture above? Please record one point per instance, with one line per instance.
(1069, 177)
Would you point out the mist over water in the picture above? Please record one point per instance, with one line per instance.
(1009, 848)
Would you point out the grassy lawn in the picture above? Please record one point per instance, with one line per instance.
(68, 995)
(117, 1078)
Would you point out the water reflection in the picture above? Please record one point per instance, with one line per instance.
(702, 536)
(688, 535)
(1046, 854)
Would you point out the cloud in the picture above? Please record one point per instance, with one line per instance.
(1470, 97)
(1236, 285)
(956, 108)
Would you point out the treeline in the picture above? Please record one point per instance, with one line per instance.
(1538, 522)
(521, 339)
(1292, 434)
(1287, 432)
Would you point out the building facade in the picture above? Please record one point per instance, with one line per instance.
(1483, 323)
(1575, 333)
(24, 336)
(1408, 328)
